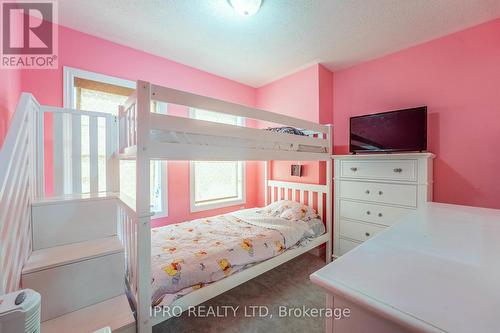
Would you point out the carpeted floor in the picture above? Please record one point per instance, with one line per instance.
(287, 285)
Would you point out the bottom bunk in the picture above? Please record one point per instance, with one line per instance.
(190, 255)
(159, 314)
(200, 259)
(194, 261)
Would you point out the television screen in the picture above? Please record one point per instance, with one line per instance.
(402, 130)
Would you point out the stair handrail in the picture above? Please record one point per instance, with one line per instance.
(19, 185)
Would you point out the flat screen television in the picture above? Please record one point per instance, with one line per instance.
(401, 130)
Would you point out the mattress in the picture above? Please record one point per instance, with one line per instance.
(201, 139)
(189, 255)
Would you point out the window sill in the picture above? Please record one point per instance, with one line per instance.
(159, 215)
(216, 204)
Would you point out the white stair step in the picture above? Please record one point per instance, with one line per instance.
(77, 218)
(74, 276)
(115, 313)
(67, 254)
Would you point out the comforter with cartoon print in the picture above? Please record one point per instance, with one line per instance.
(186, 256)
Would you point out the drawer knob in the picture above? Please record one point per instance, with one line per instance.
(380, 192)
(398, 170)
(367, 191)
(367, 234)
(354, 169)
(368, 212)
(379, 214)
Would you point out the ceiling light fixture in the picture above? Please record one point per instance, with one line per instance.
(245, 7)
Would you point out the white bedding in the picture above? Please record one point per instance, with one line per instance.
(292, 231)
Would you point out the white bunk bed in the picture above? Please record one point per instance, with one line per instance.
(145, 136)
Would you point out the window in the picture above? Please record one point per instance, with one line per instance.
(96, 92)
(215, 184)
(158, 184)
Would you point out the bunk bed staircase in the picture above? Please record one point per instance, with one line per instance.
(77, 265)
(67, 248)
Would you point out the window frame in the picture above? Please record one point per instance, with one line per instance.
(164, 190)
(216, 203)
(69, 101)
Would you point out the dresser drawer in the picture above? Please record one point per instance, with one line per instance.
(358, 231)
(371, 212)
(346, 245)
(405, 170)
(396, 194)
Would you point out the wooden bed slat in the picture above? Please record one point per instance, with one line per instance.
(93, 146)
(320, 205)
(282, 190)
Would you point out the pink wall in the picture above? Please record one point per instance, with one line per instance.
(458, 78)
(295, 95)
(87, 52)
(325, 92)
(10, 89)
(306, 94)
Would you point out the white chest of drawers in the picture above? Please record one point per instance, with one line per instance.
(373, 191)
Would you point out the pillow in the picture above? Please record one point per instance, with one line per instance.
(317, 227)
(299, 212)
(278, 207)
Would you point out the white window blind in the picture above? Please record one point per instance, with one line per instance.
(216, 184)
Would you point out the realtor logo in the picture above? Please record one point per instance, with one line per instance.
(29, 35)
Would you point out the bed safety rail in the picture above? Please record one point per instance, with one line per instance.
(179, 135)
(127, 118)
(179, 97)
(73, 167)
(127, 233)
(173, 137)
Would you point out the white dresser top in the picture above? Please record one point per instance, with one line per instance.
(439, 270)
(383, 156)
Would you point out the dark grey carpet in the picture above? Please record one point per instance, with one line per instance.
(287, 285)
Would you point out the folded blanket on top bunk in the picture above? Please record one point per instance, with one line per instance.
(186, 256)
(241, 142)
(286, 130)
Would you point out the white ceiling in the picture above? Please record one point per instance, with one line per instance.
(284, 36)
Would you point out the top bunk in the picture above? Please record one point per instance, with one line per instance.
(174, 137)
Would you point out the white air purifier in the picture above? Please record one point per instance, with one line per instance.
(20, 312)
